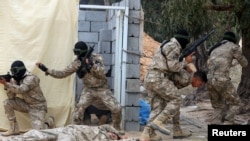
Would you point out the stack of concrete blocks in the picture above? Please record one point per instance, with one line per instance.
(91, 23)
(99, 28)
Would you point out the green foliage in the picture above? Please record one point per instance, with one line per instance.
(154, 25)
(164, 17)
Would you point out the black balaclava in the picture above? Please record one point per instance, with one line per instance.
(230, 36)
(80, 49)
(182, 37)
(18, 70)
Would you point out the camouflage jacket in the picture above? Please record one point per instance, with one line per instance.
(71, 133)
(29, 89)
(166, 61)
(221, 58)
(95, 78)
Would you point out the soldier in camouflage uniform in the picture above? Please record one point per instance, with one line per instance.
(33, 101)
(162, 85)
(73, 133)
(91, 71)
(223, 96)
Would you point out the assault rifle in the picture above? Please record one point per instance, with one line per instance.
(91, 49)
(85, 68)
(194, 46)
(7, 77)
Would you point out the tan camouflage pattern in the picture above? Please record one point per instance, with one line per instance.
(70, 133)
(160, 83)
(32, 100)
(94, 87)
(99, 104)
(96, 77)
(222, 92)
(89, 95)
(172, 51)
(181, 79)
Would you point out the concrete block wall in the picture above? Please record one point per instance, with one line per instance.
(99, 28)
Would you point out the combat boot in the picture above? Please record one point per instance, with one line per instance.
(216, 118)
(94, 119)
(145, 134)
(153, 136)
(178, 133)
(13, 130)
(159, 124)
(103, 120)
(50, 121)
(148, 134)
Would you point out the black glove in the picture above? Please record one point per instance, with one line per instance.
(42, 67)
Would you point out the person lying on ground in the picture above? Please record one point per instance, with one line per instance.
(72, 133)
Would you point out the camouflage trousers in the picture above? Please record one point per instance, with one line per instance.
(164, 99)
(69, 133)
(89, 95)
(224, 100)
(36, 114)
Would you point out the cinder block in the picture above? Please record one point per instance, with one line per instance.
(95, 47)
(107, 58)
(97, 26)
(105, 35)
(135, 4)
(104, 47)
(134, 16)
(81, 15)
(134, 30)
(107, 68)
(132, 113)
(100, 16)
(132, 99)
(111, 82)
(133, 43)
(83, 26)
(132, 126)
(133, 58)
(133, 85)
(88, 36)
(133, 71)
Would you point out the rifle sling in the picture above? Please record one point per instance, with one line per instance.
(216, 46)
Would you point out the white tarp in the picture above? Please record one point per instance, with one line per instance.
(46, 31)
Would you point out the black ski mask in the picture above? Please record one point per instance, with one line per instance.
(18, 70)
(182, 37)
(230, 36)
(80, 49)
